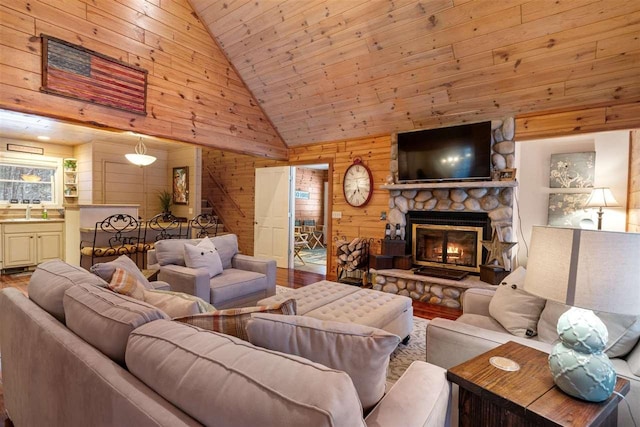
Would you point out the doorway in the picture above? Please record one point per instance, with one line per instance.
(310, 213)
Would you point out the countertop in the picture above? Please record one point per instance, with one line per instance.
(28, 221)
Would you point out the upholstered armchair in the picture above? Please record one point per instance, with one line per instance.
(240, 281)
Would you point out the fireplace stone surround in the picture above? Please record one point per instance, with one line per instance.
(495, 198)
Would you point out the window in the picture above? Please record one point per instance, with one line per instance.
(28, 181)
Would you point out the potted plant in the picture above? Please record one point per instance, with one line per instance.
(165, 199)
(70, 164)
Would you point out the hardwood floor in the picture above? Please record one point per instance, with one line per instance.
(284, 277)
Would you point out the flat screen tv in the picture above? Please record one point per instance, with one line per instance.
(455, 153)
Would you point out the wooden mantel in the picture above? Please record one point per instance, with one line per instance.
(466, 184)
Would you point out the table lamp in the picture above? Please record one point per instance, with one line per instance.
(601, 197)
(588, 270)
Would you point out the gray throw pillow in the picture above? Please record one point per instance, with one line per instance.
(105, 270)
(516, 310)
(360, 351)
(624, 330)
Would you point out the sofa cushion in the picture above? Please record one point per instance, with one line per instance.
(223, 381)
(51, 279)
(171, 251)
(203, 255)
(234, 283)
(516, 310)
(106, 269)
(126, 284)
(624, 330)
(176, 304)
(337, 345)
(233, 321)
(105, 319)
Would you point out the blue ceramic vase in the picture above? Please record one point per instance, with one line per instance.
(578, 363)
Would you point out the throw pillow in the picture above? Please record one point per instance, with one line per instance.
(176, 304)
(233, 321)
(126, 284)
(105, 270)
(624, 330)
(203, 255)
(360, 351)
(516, 310)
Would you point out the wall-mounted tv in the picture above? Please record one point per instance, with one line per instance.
(454, 153)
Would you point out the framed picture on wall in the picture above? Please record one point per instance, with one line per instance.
(181, 185)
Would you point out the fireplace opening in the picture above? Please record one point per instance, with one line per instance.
(454, 247)
(449, 241)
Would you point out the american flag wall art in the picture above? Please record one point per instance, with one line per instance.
(76, 72)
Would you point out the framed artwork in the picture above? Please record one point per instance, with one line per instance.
(567, 209)
(76, 72)
(507, 175)
(572, 170)
(181, 185)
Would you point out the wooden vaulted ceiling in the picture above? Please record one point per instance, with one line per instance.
(326, 70)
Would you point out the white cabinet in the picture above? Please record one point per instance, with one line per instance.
(30, 243)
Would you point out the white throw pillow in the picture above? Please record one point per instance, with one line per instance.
(360, 351)
(516, 310)
(204, 255)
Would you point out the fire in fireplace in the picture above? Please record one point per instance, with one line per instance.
(454, 247)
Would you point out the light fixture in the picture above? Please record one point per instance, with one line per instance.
(140, 158)
(587, 270)
(43, 138)
(601, 197)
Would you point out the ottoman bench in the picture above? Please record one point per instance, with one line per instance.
(327, 300)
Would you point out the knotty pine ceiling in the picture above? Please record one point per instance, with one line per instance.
(326, 70)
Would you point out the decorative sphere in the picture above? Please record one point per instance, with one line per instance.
(582, 331)
(589, 377)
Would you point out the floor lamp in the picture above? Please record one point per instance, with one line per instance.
(601, 197)
(593, 270)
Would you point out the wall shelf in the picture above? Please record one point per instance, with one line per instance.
(435, 185)
(70, 167)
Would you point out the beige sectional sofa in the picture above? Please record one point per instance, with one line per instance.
(243, 281)
(488, 313)
(77, 354)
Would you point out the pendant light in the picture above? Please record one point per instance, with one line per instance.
(140, 158)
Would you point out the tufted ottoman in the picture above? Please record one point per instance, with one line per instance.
(327, 300)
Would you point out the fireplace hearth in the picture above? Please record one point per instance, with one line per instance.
(451, 240)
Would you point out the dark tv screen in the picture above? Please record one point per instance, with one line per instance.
(446, 154)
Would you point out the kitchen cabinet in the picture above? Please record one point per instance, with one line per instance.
(31, 242)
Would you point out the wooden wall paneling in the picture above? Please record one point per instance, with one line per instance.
(169, 41)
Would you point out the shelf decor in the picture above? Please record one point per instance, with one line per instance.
(75, 72)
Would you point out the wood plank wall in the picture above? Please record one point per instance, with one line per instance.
(193, 93)
(312, 181)
(236, 173)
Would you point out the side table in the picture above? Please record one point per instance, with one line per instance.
(490, 396)
(150, 275)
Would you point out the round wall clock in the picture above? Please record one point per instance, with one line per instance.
(357, 184)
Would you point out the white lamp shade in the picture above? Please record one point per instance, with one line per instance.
(596, 270)
(601, 197)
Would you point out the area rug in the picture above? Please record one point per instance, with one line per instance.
(401, 358)
(314, 256)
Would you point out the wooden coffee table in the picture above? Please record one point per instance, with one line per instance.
(528, 397)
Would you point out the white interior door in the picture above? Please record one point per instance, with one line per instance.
(271, 237)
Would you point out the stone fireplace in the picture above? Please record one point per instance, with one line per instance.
(487, 202)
